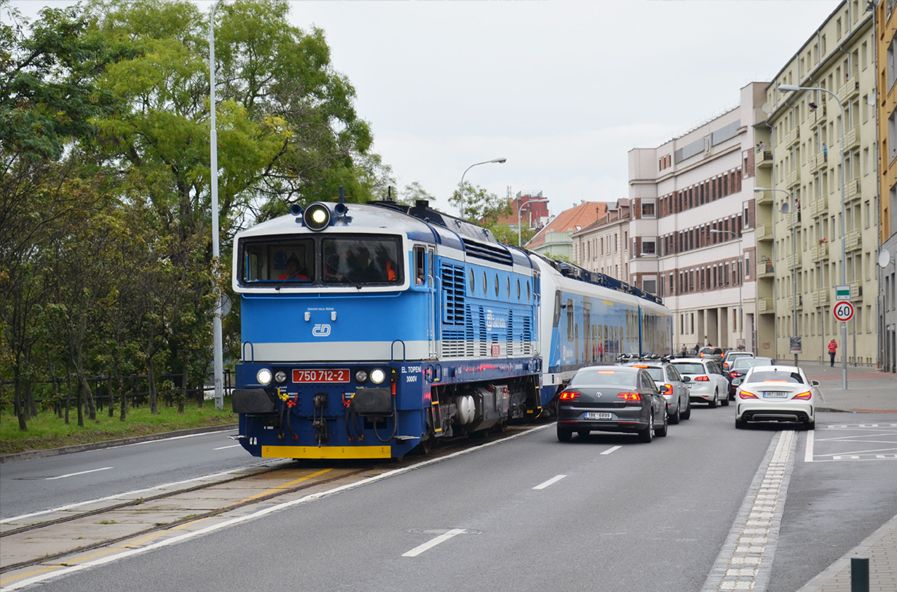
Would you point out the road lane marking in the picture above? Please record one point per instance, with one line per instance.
(74, 568)
(855, 452)
(286, 485)
(124, 494)
(808, 450)
(226, 447)
(550, 482)
(611, 450)
(433, 542)
(67, 475)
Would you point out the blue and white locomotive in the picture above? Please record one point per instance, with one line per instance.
(369, 330)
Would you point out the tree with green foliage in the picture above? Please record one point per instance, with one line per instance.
(478, 205)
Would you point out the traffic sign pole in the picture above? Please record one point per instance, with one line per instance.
(843, 311)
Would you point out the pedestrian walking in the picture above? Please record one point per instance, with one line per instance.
(832, 350)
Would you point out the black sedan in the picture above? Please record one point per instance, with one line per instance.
(611, 399)
(740, 367)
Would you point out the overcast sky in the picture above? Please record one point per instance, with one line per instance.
(562, 88)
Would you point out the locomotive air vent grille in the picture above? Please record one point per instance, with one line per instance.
(468, 333)
(453, 344)
(489, 252)
(510, 336)
(527, 336)
(453, 290)
(484, 349)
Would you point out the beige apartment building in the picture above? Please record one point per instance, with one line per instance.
(799, 156)
(692, 232)
(604, 245)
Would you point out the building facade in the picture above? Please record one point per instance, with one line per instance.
(604, 245)
(800, 157)
(692, 236)
(555, 238)
(886, 72)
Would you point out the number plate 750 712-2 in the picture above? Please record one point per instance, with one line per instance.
(321, 375)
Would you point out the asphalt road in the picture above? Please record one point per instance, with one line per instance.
(624, 516)
(43, 483)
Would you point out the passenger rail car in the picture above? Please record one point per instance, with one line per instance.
(368, 330)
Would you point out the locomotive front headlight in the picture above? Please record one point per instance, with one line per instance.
(361, 376)
(317, 217)
(263, 377)
(378, 376)
(280, 377)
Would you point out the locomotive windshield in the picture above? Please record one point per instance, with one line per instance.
(347, 260)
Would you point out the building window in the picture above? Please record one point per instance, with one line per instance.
(650, 285)
(648, 247)
(648, 209)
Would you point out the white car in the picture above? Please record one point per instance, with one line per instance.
(776, 393)
(706, 382)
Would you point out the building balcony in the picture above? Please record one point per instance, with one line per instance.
(848, 90)
(853, 241)
(819, 252)
(790, 302)
(792, 261)
(764, 306)
(820, 298)
(820, 162)
(790, 137)
(851, 139)
(792, 179)
(764, 159)
(763, 197)
(819, 116)
(763, 233)
(856, 292)
(852, 190)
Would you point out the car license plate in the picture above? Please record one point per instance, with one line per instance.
(321, 375)
(774, 395)
(598, 415)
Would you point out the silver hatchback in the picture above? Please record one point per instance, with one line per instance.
(671, 385)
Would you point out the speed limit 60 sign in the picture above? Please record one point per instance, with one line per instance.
(843, 311)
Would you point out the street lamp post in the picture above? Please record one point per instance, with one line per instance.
(519, 210)
(795, 88)
(461, 186)
(784, 210)
(217, 346)
(740, 277)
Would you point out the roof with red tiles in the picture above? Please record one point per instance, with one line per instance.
(571, 220)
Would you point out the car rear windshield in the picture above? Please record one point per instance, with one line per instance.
(771, 376)
(689, 368)
(623, 378)
(750, 362)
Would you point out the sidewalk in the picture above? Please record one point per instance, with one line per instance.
(868, 391)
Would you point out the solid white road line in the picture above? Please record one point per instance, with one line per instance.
(550, 482)
(264, 512)
(433, 542)
(226, 447)
(611, 450)
(76, 474)
(808, 450)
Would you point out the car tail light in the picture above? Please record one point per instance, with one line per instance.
(666, 389)
(629, 396)
(702, 378)
(804, 396)
(747, 395)
(568, 395)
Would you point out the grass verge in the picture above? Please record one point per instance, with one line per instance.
(49, 431)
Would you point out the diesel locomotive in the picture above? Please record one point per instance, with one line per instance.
(371, 329)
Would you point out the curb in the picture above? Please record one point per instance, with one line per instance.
(29, 454)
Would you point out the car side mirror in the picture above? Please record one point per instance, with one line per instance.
(686, 379)
(814, 382)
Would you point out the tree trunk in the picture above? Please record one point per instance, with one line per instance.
(151, 384)
(18, 400)
(123, 402)
(91, 403)
(78, 404)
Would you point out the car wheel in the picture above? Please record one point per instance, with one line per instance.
(740, 424)
(687, 413)
(647, 434)
(565, 434)
(676, 417)
(661, 432)
(725, 402)
(583, 434)
(810, 425)
(715, 400)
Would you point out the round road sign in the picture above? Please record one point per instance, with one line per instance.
(843, 311)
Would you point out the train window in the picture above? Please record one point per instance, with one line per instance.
(508, 288)
(570, 320)
(497, 285)
(518, 289)
(420, 266)
(278, 260)
(361, 260)
(485, 284)
(472, 282)
(527, 291)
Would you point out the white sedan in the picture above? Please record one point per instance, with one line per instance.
(777, 394)
(706, 382)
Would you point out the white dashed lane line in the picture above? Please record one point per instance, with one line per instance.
(611, 450)
(67, 475)
(433, 542)
(226, 447)
(549, 483)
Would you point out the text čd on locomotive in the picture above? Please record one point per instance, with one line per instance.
(371, 329)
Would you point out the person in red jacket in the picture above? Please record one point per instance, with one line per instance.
(832, 350)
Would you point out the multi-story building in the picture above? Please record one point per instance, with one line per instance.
(554, 239)
(530, 208)
(803, 164)
(692, 237)
(886, 60)
(604, 245)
